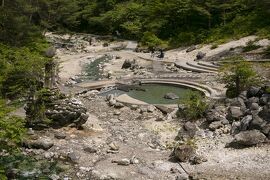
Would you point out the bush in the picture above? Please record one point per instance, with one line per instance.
(238, 75)
(250, 46)
(151, 40)
(11, 128)
(214, 46)
(194, 106)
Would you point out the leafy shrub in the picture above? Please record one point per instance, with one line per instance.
(11, 128)
(238, 75)
(250, 46)
(151, 40)
(214, 46)
(194, 106)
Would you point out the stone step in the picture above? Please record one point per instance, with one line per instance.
(196, 65)
(207, 64)
(184, 66)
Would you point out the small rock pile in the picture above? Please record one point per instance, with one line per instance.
(67, 112)
(247, 115)
(53, 109)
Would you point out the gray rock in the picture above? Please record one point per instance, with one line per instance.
(112, 102)
(119, 105)
(266, 129)
(187, 131)
(197, 159)
(30, 132)
(235, 113)
(215, 125)
(164, 109)
(265, 113)
(254, 106)
(113, 146)
(73, 157)
(44, 144)
(225, 121)
(249, 138)
(257, 122)
(151, 108)
(211, 115)
(191, 48)
(122, 162)
(184, 152)
(252, 92)
(90, 149)
(245, 122)
(59, 135)
(239, 102)
(250, 101)
(54, 177)
(171, 96)
(264, 100)
(236, 127)
(182, 177)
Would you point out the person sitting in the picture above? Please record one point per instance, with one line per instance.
(161, 55)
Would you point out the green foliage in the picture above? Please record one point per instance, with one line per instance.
(23, 163)
(151, 40)
(250, 46)
(238, 75)
(214, 46)
(180, 22)
(194, 106)
(11, 128)
(22, 71)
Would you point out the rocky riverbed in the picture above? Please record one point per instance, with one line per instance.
(106, 139)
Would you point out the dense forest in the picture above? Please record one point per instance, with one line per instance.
(175, 22)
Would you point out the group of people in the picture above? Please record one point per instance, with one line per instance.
(160, 53)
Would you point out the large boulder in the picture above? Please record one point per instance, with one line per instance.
(249, 138)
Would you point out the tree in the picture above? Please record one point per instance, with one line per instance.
(238, 75)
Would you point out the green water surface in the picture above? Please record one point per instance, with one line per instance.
(154, 93)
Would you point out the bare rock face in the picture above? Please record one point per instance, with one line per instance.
(249, 138)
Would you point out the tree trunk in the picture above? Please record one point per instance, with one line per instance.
(3, 3)
(209, 22)
(224, 17)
